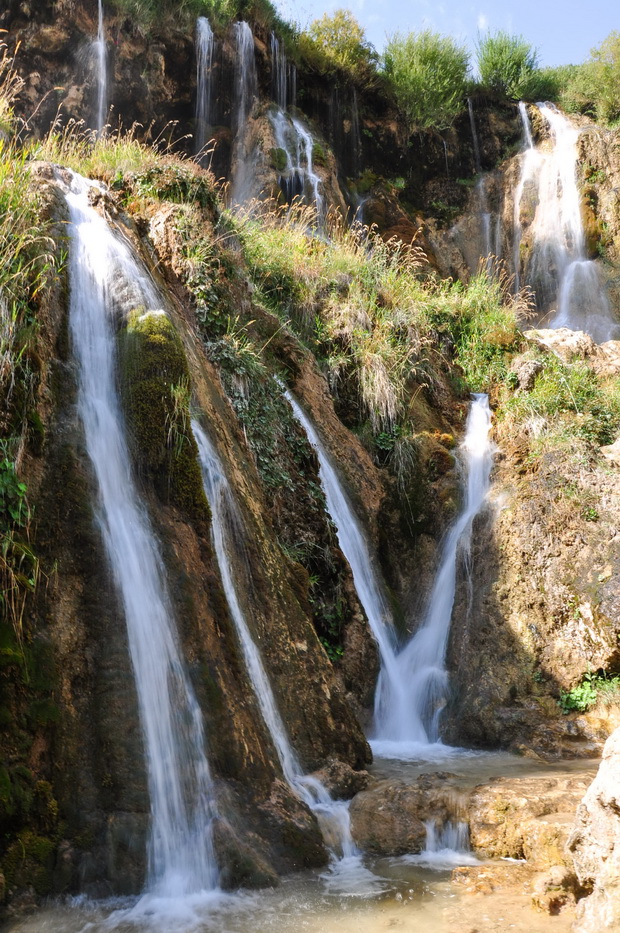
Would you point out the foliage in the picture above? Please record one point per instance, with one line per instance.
(592, 689)
(150, 15)
(569, 398)
(428, 74)
(155, 387)
(26, 269)
(336, 41)
(507, 64)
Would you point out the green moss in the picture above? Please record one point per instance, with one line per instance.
(155, 387)
(278, 159)
(318, 154)
(29, 862)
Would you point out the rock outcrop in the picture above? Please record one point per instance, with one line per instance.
(595, 846)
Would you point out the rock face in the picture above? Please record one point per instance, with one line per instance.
(595, 845)
(545, 596)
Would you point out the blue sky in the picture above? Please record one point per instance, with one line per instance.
(563, 31)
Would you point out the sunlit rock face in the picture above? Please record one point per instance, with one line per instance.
(595, 845)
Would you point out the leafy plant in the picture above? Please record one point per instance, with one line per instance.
(336, 41)
(428, 75)
(593, 687)
(507, 64)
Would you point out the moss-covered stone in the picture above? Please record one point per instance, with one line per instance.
(155, 388)
(29, 862)
(278, 159)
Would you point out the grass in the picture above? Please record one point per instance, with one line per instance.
(382, 326)
(594, 689)
(568, 402)
(26, 269)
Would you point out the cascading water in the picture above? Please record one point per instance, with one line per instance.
(412, 684)
(102, 269)
(102, 77)
(283, 76)
(446, 846)
(297, 180)
(227, 535)
(409, 719)
(356, 135)
(204, 65)
(246, 93)
(529, 167)
(474, 136)
(481, 198)
(564, 280)
(355, 549)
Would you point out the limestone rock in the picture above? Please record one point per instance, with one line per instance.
(595, 845)
(554, 890)
(341, 780)
(388, 819)
(525, 817)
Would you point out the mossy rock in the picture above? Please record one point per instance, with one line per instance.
(155, 389)
(279, 160)
(29, 862)
(319, 156)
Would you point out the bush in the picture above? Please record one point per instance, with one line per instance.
(596, 84)
(428, 73)
(507, 64)
(337, 41)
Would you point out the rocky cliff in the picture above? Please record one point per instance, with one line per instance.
(378, 349)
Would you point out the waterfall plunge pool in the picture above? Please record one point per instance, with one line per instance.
(419, 900)
(406, 894)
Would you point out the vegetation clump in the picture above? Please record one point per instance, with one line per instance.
(507, 64)
(336, 42)
(428, 74)
(156, 395)
(594, 688)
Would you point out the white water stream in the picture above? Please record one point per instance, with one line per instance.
(567, 284)
(298, 180)
(346, 871)
(102, 77)
(283, 76)
(407, 718)
(412, 686)
(105, 278)
(246, 94)
(204, 65)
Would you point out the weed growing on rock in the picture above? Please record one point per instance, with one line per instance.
(594, 688)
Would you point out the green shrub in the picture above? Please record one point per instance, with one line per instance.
(599, 79)
(428, 74)
(592, 689)
(336, 41)
(507, 64)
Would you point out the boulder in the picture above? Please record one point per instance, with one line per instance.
(595, 845)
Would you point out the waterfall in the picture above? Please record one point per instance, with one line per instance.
(246, 93)
(566, 283)
(412, 716)
(280, 70)
(354, 547)
(412, 684)
(446, 846)
(297, 178)
(474, 135)
(529, 167)
(204, 65)
(246, 82)
(356, 136)
(101, 65)
(103, 272)
(227, 536)
(482, 209)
